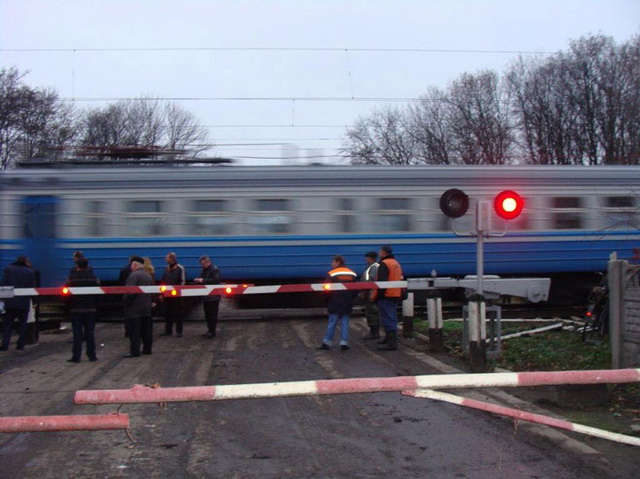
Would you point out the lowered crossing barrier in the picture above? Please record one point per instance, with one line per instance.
(524, 416)
(114, 421)
(146, 394)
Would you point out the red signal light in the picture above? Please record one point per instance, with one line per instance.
(508, 204)
(65, 291)
(228, 290)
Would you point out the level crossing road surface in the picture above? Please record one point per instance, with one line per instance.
(360, 435)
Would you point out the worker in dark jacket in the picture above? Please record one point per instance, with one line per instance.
(83, 311)
(174, 275)
(76, 256)
(211, 304)
(388, 298)
(18, 275)
(340, 304)
(137, 310)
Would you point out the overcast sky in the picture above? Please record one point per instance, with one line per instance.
(269, 78)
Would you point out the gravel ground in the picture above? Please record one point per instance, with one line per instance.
(361, 435)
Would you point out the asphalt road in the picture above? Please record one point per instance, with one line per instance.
(363, 435)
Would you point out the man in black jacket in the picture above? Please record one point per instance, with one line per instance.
(18, 275)
(137, 310)
(211, 304)
(83, 311)
(174, 274)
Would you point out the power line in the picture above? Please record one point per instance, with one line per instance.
(249, 98)
(278, 49)
(278, 126)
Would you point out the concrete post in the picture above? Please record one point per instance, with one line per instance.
(616, 305)
(477, 334)
(407, 316)
(434, 313)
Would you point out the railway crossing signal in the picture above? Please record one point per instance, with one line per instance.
(454, 203)
(508, 204)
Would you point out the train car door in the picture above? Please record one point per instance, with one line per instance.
(39, 233)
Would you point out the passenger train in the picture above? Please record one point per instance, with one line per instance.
(283, 224)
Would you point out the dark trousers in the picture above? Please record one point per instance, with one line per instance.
(172, 313)
(388, 310)
(372, 315)
(140, 329)
(10, 316)
(211, 314)
(84, 325)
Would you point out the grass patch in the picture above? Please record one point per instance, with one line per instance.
(557, 351)
(554, 351)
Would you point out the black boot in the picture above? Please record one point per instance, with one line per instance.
(374, 333)
(392, 342)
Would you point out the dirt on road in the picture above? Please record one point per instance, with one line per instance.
(360, 435)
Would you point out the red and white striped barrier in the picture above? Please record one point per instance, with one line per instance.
(208, 290)
(523, 415)
(145, 394)
(64, 423)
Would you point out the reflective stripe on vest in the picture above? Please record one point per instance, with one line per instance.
(367, 273)
(341, 274)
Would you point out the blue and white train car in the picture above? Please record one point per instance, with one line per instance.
(283, 224)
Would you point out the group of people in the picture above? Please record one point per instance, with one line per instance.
(138, 307)
(380, 305)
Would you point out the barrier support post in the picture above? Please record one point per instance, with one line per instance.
(434, 314)
(477, 334)
(407, 316)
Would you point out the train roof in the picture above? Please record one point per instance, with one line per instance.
(301, 176)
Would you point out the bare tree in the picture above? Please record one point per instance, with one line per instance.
(381, 139)
(480, 121)
(543, 118)
(430, 126)
(145, 123)
(183, 131)
(578, 107)
(32, 121)
(581, 106)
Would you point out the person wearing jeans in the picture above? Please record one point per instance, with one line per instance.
(340, 304)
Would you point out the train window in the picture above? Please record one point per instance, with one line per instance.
(621, 212)
(394, 215)
(346, 215)
(620, 202)
(272, 216)
(95, 219)
(210, 218)
(145, 218)
(568, 212)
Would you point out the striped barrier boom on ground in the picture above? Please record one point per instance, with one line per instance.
(145, 394)
(207, 290)
(524, 416)
(114, 421)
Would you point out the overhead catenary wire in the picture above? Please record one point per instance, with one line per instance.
(279, 49)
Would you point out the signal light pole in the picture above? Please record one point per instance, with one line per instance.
(508, 205)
